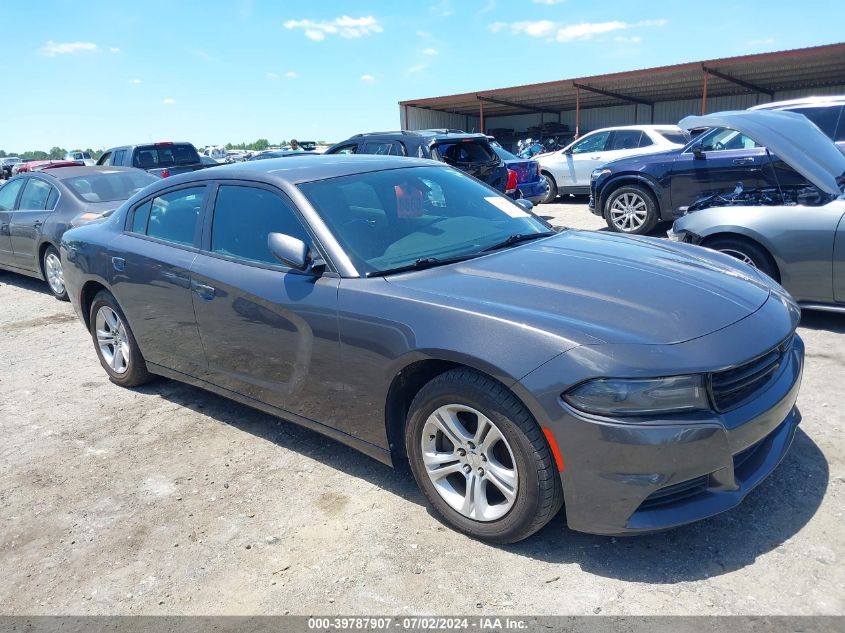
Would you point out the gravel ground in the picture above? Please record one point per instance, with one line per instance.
(170, 500)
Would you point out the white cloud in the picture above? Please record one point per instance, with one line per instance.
(443, 9)
(624, 39)
(430, 51)
(416, 68)
(51, 48)
(367, 78)
(291, 74)
(272, 76)
(548, 1)
(114, 49)
(562, 32)
(135, 82)
(347, 27)
(169, 101)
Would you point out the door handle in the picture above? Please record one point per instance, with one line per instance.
(118, 263)
(179, 280)
(37, 224)
(203, 292)
(743, 161)
(595, 157)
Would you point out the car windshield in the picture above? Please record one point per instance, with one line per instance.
(151, 156)
(109, 187)
(393, 218)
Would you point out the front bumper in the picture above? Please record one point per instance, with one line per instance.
(622, 478)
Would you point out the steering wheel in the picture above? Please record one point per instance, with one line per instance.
(718, 146)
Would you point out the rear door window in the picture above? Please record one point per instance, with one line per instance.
(173, 217)
(346, 149)
(53, 199)
(624, 139)
(678, 138)
(35, 194)
(119, 157)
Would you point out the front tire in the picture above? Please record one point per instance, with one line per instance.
(551, 190)
(51, 266)
(747, 252)
(481, 459)
(631, 209)
(115, 344)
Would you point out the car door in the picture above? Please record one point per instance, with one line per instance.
(839, 259)
(150, 264)
(9, 194)
(269, 332)
(717, 162)
(35, 205)
(577, 161)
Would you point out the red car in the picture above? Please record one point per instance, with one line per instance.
(38, 165)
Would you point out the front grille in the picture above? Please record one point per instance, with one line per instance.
(733, 386)
(675, 492)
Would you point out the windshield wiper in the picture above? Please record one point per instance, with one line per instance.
(518, 238)
(420, 264)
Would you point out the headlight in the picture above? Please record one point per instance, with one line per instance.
(639, 396)
(599, 172)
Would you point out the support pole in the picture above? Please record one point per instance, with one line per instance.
(704, 95)
(577, 111)
(481, 116)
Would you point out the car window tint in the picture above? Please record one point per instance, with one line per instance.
(53, 198)
(465, 151)
(624, 139)
(724, 139)
(174, 215)
(9, 193)
(678, 138)
(593, 143)
(109, 186)
(105, 159)
(35, 194)
(119, 156)
(382, 149)
(825, 118)
(140, 218)
(245, 216)
(346, 149)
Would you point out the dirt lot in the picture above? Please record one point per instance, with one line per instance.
(170, 500)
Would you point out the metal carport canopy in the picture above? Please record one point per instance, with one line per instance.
(765, 73)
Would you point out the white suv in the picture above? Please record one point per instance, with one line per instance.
(828, 113)
(568, 170)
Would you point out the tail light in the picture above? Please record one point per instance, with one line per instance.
(511, 186)
(535, 168)
(165, 173)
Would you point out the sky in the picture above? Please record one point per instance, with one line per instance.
(94, 73)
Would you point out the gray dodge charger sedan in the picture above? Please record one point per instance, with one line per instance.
(411, 312)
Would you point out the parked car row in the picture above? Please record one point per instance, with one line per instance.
(413, 310)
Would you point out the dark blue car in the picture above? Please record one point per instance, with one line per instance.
(634, 194)
(530, 184)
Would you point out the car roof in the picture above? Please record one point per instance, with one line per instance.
(299, 169)
(64, 173)
(655, 128)
(440, 133)
(821, 100)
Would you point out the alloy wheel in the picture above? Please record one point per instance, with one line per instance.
(469, 462)
(112, 340)
(736, 254)
(54, 273)
(628, 212)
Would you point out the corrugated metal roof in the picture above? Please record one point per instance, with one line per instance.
(764, 73)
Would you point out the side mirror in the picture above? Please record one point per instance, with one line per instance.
(527, 205)
(289, 250)
(698, 152)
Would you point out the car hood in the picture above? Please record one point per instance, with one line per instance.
(594, 287)
(793, 137)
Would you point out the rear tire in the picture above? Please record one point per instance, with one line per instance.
(501, 483)
(631, 209)
(115, 344)
(551, 192)
(51, 267)
(747, 251)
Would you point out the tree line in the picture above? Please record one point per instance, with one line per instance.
(57, 153)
